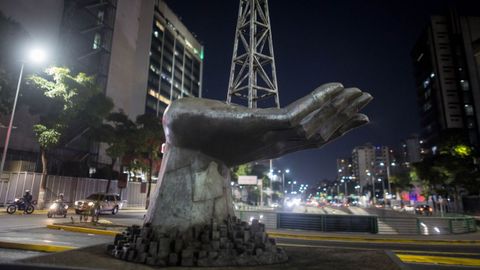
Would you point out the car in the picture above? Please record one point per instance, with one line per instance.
(423, 209)
(97, 203)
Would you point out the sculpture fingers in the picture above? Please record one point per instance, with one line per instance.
(311, 123)
(327, 120)
(317, 141)
(355, 121)
(304, 106)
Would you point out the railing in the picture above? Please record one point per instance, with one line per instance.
(312, 222)
(361, 223)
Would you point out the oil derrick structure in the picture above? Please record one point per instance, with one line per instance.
(252, 74)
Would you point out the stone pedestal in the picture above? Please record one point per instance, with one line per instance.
(191, 222)
(192, 189)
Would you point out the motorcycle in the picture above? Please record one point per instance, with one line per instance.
(58, 208)
(19, 204)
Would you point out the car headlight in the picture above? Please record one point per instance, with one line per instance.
(76, 202)
(53, 206)
(90, 204)
(66, 206)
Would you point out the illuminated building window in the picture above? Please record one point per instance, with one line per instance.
(97, 39)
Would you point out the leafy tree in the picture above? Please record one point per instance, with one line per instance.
(453, 168)
(117, 133)
(149, 138)
(74, 101)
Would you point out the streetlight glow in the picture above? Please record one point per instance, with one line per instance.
(37, 55)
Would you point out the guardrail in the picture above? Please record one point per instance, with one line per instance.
(361, 223)
(312, 222)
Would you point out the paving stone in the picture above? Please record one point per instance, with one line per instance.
(216, 245)
(178, 246)
(172, 259)
(131, 255)
(153, 248)
(141, 257)
(151, 260)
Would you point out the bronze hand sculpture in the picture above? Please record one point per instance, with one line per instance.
(205, 137)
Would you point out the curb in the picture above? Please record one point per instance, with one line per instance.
(395, 259)
(82, 230)
(407, 258)
(34, 247)
(376, 240)
(297, 236)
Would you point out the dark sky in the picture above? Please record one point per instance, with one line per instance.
(365, 44)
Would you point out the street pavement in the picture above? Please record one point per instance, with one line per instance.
(31, 229)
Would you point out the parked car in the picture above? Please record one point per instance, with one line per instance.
(99, 202)
(423, 209)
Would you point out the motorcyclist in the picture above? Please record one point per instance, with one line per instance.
(27, 200)
(60, 200)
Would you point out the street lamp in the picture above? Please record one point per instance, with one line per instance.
(35, 56)
(374, 201)
(283, 178)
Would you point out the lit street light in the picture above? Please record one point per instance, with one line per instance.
(35, 56)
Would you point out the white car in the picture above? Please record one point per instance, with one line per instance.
(98, 203)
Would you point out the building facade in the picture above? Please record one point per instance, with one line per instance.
(140, 52)
(411, 150)
(446, 62)
(371, 164)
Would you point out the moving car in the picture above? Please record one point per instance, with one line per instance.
(99, 202)
(423, 209)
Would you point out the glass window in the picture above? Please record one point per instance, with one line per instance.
(100, 16)
(97, 40)
(468, 109)
(465, 85)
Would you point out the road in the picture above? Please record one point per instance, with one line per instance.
(444, 251)
(32, 228)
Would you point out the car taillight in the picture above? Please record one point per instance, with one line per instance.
(430, 209)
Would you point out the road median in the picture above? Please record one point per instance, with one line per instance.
(82, 229)
(371, 239)
(79, 229)
(409, 258)
(34, 247)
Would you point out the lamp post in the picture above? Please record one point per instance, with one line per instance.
(374, 200)
(283, 179)
(37, 56)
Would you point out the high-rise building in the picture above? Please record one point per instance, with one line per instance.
(371, 164)
(446, 61)
(141, 53)
(411, 150)
(176, 61)
(344, 168)
(152, 50)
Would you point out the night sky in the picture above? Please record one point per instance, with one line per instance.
(364, 44)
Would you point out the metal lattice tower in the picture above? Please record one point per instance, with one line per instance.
(252, 74)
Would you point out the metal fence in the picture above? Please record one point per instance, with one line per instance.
(14, 184)
(313, 222)
(361, 223)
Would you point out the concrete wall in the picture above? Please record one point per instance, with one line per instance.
(128, 73)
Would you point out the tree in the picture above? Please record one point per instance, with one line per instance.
(149, 138)
(453, 168)
(117, 133)
(74, 101)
